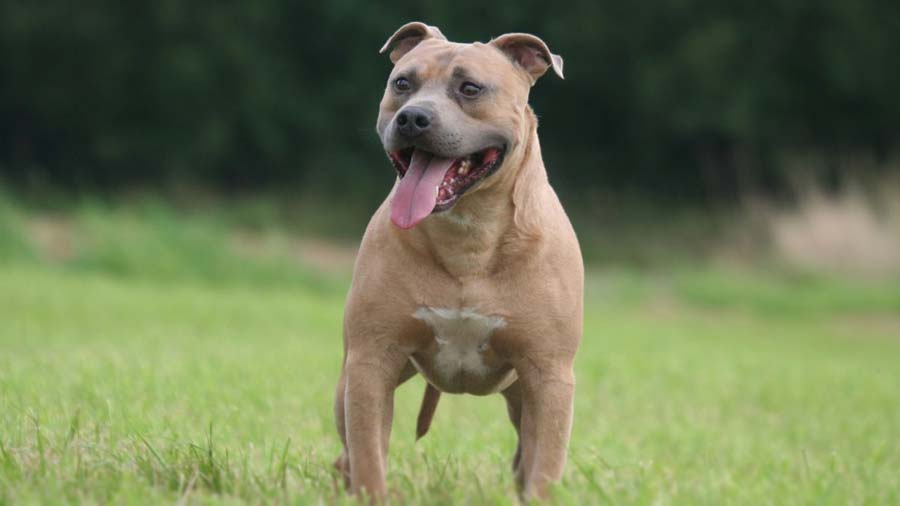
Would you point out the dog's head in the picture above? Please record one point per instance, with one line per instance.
(452, 113)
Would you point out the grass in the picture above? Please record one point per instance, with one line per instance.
(148, 359)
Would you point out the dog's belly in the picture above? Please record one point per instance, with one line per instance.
(459, 359)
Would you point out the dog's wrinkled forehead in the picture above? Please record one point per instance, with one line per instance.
(425, 49)
(434, 63)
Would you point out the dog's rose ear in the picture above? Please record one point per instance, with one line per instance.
(408, 37)
(530, 53)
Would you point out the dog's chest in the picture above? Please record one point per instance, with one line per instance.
(462, 337)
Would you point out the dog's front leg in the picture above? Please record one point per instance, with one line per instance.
(547, 390)
(371, 377)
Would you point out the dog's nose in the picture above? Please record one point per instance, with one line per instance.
(413, 121)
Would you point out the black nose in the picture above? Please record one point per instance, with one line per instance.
(413, 121)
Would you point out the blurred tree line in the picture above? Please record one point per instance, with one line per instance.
(684, 99)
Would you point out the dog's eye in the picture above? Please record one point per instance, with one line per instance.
(402, 84)
(470, 89)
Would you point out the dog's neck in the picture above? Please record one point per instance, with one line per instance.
(486, 230)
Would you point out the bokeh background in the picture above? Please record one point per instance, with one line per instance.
(688, 106)
(183, 186)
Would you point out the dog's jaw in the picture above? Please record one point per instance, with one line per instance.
(460, 175)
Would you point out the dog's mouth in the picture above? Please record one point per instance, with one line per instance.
(431, 184)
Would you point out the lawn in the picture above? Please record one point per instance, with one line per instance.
(153, 364)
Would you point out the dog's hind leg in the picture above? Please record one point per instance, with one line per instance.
(342, 463)
(513, 396)
(426, 411)
(429, 400)
(409, 370)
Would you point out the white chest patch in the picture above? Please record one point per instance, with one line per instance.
(462, 336)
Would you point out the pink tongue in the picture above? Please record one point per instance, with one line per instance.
(417, 192)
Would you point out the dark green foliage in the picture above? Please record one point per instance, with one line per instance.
(676, 99)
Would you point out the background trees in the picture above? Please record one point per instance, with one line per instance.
(688, 100)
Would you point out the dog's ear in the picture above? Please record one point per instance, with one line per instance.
(530, 53)
(408, 37)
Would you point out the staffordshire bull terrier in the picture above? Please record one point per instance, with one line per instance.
(469, 273)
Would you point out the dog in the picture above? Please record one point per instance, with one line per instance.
(470, 272)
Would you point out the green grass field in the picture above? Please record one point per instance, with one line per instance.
(147, 360)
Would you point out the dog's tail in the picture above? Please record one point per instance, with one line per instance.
(426, 412)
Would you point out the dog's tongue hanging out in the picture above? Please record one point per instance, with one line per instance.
(417, 192)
